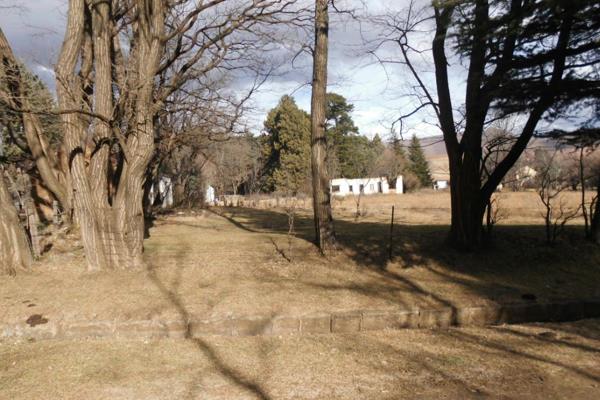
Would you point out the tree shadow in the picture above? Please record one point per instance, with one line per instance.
(489, 274)
(519, 263)
(236, 377)
(509, 343)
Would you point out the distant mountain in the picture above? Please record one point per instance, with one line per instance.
(435, 152)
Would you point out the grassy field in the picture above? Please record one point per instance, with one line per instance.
(231, 262)
(241, 262)
(546, 361)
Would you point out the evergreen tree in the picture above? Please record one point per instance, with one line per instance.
(418, 163)
(339, 122)
(286, 148)
(13, 144)
(397, 164)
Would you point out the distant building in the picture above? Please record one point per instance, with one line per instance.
(209, 195)
(164, 194)
(344, 187)
(440, 184)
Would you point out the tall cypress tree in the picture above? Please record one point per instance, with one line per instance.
(418, 163)
(286, 148)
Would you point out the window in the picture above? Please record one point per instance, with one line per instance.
(372, 187)
(335, 188)
(362, 188)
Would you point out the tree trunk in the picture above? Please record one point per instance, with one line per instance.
(595, 224)
(325, 236)
(15, 253)
(111, 221)
(468, 209)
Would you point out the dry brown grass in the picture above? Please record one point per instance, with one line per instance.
(215, 266)
(433, 207)
(517, 362)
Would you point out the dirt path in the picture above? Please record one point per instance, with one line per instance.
(517, 362)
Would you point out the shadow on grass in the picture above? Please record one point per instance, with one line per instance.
(519, 265)
(234, 376)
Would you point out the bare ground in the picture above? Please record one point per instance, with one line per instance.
(544, 361)
(238, 262)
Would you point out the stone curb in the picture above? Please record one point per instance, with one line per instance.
(322, 323)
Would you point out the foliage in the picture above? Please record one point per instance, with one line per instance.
(350, 155)
(286, 148)
(13, 146)
(358, 155)
(418, 163)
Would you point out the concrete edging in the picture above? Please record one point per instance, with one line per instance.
(321, 323)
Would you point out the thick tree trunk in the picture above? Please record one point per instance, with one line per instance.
(111, 221)
(69, 88)
(468, 209)
(325, 236)
(15, 253)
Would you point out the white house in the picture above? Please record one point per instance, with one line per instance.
(440, 184)
(344, 187)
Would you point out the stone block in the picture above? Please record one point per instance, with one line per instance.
(175, 329)
(214, 327)
(140, 329)
(316, 324)
(478, 316)
(49, 330)
(382, 320)
(436, 318)
(345, 323)
(522, 312)
(250, 326)
(87, 329)
(285, 326)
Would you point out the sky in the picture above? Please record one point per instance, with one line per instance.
(35, 33)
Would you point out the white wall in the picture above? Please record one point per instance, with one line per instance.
(344, 187)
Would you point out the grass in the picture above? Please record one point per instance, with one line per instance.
(545, 361)
(228, 262)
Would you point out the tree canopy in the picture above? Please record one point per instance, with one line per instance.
(286, 148)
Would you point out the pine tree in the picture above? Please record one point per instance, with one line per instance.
(397, 163)
(286, 148)
(418, 163)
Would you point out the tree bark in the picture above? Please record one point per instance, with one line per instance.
(323, 219)
(108, 204)
(595, 223)
(15, 253)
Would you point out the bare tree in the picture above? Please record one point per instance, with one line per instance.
(509, 68)
(586, 140)
(323, 218)
(551, 185)
(121, 62)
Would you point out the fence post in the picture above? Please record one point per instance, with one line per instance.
(391, 249)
